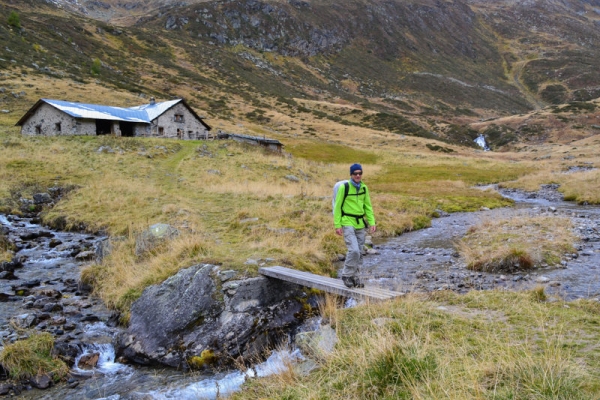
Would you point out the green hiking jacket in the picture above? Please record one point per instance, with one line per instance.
(357, 203)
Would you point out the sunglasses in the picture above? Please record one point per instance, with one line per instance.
(357, 173)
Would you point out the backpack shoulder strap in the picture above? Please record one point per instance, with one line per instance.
(346, 190)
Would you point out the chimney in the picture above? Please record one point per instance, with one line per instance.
(152, 101)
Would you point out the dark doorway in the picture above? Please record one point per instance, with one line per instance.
(103, 127)
(126, 128)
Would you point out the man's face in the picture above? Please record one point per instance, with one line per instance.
(357, 176)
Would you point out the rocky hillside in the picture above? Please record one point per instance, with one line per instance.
(422, 67)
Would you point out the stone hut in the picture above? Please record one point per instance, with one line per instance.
(169, 119)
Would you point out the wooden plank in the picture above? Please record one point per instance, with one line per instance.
(327, 284)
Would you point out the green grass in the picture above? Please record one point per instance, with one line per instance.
(331, 153)
(472, 172)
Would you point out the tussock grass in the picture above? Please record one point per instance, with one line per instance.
(582, 187)
(517, 243)
(122, 276)
(475, 346)
(26, 358)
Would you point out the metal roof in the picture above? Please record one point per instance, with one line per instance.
(156, 109)
(145, 113)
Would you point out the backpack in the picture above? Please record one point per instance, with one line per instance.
(336, 187)
(335, 190)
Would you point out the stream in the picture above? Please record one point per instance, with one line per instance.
(426, 260)
(41, 291)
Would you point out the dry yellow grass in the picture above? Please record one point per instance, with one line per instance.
(519, 242)
(238, 201)
(123, 275)
(580, 186)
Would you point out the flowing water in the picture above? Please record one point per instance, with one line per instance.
(423, 260)
(426, 260)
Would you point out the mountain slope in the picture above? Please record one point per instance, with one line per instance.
(419, 67)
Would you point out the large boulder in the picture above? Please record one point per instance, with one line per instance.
(194, 320)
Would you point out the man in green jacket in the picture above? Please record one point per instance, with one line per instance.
(349, 220)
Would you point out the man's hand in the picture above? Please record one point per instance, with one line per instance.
(339, 231)
(372, 228)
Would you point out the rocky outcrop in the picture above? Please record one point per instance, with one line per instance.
(199, 318)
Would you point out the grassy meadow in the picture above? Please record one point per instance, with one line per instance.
(232, 202)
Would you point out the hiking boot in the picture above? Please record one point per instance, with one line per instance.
(357, 283)
(348, 281)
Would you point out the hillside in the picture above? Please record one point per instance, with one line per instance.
(420, 67)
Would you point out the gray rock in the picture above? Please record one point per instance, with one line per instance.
(318, 344)
(89, 361)
(153, 236)
(292, 178)
(5, 388)
(188, 314)
(41, 381)
(226, 275)
(24, 320)
(85, 255)
(42, 198)
(171, 23)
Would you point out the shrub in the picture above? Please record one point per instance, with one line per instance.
(96, 64)
(554, 94)
(14, 20)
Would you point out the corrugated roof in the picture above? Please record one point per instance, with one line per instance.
(156, 109)
(143, 113)
(96, 111)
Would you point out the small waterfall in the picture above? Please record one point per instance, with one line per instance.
(99, 341)
(106, 361)
(480, 140)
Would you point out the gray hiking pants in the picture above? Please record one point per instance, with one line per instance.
(355, 241)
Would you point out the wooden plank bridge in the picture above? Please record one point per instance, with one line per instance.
(326, 284)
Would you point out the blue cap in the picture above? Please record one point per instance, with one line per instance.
(355, 167)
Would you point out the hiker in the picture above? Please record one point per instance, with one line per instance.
(352, 206)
